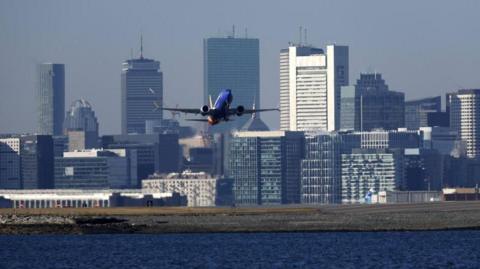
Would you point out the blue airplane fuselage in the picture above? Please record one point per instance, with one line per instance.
(221, 107)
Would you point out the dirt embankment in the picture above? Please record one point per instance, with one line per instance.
(397, 217)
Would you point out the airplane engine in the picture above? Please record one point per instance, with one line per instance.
(204, 109)
(240, 110)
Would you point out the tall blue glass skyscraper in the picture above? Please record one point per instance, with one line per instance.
(50, 96)
(142, 85)
(232, 63)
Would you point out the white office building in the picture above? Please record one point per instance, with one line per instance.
(10, 175)
(465, 119)
(310, 82)
(370, 170)
(200, 188)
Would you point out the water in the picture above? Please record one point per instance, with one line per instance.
(450, 249)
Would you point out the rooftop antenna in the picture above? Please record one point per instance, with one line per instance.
(141, 46)
(246, 32)
(233, 31)
(300, 36)
(305, 35)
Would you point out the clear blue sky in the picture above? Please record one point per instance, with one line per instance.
(423, 48)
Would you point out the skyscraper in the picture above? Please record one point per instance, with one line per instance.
(142, 85)
(464, 107)
(232, 63)
(81, 122)
(370, 105)
(50, 97)
(310, 82)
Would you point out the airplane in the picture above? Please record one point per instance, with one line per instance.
(218, 112)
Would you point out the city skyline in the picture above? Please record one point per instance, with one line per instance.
(94, 53)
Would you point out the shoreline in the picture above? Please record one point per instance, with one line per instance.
(440, 216)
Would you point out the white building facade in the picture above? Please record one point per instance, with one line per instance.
(370, 170)
(199, 188)
(465, 119)
(310, 82)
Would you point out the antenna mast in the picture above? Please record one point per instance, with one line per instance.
(300, 36)
(141, 46)
(305, 35)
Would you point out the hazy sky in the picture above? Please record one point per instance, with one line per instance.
(423, 48)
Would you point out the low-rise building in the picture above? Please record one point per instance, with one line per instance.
(199, 188)
(88, 198)
(406, 197)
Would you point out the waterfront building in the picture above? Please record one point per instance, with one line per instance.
(81, 126)
(96, 169)
(141, 86)
(464, 109)
(81, 198)
(370, 170)
(407, 197)
(199, 188)
(50, 98)
(310, 82)
(265, 166)
(320, 169)
(417, 111)
(10, 173)
(232, 63)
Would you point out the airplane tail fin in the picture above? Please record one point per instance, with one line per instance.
(157, 106)
(210, 101)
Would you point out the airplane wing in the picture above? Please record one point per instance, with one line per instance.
(250, 111)
(202, 120)
(183, 110)
(233, 111)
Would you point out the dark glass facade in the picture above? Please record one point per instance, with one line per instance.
(265, 167)
(417, 111)
(50, 97)
(37, 158)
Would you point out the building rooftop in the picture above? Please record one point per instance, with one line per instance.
(254, 124)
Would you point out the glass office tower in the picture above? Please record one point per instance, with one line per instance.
(50, 96)
(232, 63)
